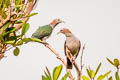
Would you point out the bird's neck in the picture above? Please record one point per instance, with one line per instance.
(68, 34)
(54, 25)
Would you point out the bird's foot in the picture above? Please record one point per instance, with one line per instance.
(45, 43)
(73, 59)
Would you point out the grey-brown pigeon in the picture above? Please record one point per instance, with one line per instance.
(72, 44)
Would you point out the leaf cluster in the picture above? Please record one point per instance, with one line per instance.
(12, 13)
(92, 74)
(55, 75)
(9, 37)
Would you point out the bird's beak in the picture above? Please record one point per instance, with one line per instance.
(62, 21)
(58, 32)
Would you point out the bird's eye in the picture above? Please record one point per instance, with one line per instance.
(58, 19)
(61, 30)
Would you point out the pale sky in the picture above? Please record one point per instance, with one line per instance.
(95, 22)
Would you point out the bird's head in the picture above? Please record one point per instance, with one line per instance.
(65, 31)
(56, 22)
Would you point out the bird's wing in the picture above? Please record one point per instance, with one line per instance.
(78, 50)
(42, 32)
(69, 64)
(65, 47)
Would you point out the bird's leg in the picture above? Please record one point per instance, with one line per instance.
(44, 42)
(73, 59)
(70, 56)
(68, 53)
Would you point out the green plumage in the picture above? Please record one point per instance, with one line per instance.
(42, 32)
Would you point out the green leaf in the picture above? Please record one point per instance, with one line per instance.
(12, 38)
(30, 0)
(65, 76)
(106, 74)
(49, 73)
(12, 29)
(19, 43)
(117, 76)
(44, 78)
(7, 3)
(97, 69)
(101, 77)
(88, 72)
(47, 76)
(18, 2)
(56, 72)
(26, 39)
(33, 14)
(35, 39)
(16, 51)
(110, 78)
(92, 73)
(9, 30)
(9, 42)
(110, 61)
(85, 78)
(25, 28)
(18, 22)
(23, 7)
(18, 6)
(116, 62)
(4, 15)
(7, 25)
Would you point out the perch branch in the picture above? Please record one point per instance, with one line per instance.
(74, 63)
(61, 59)
(77, 70)
(58, 56)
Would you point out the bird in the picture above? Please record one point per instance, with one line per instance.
(44, 32)
(72, 44)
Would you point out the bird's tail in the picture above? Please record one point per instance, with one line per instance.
(69, 64)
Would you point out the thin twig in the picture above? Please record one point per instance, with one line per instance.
(28, 9)
(68, 54)
(9, 48)
(4, 21)
(77, 70)
(81, 57)
(60, 58)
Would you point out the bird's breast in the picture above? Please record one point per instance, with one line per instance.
(73, 46)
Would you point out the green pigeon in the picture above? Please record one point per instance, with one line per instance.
(44, 32)
(72, 44)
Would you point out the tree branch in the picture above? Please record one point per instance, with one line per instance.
(79, 73)
(61, 59)
(28, 9)
(3, 21)
(68, 54)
